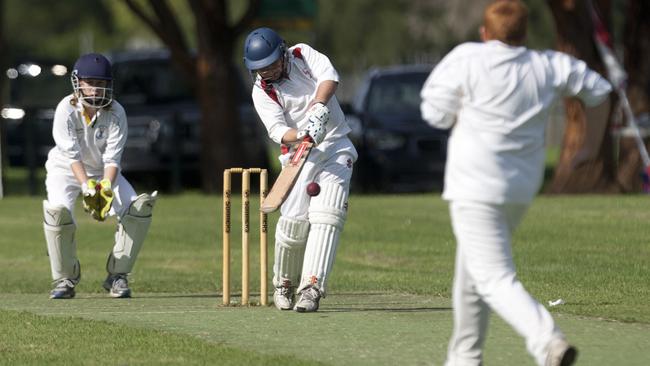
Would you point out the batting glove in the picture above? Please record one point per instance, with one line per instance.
(319, 112)
(284, 159)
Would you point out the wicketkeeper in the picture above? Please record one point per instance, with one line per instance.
(293, 94)
(90, 131)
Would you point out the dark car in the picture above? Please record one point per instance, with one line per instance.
(164, 116)
(35, 89)
(398, 150)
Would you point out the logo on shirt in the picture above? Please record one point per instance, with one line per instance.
(100, 134)
(308, 73)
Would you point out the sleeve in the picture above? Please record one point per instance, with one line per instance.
(318, 63)
(65, 134)
(575, 79)
(271, 113)
(442, 92)
(117, 134)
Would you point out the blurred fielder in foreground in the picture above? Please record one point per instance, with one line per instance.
(90, 131)
(498, 95)
(293, 94)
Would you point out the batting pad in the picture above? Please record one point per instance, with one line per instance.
(131, 232)
(327, 214)
(61, 247)
(290, 239)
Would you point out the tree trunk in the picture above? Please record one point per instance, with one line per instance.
(636, 43)
(224, 143)
(221, 137)
(575, 37)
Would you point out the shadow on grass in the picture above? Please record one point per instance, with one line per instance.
(387, 310)
(172, 296)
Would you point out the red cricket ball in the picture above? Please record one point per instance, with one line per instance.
(313, 189)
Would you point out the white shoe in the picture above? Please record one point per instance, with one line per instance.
(283, 297)
(560, 353)
(309, 299)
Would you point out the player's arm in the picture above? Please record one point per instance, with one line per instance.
(65, 137)
(110, 173)
(90, 196)
(111, 158)
(115, 142)
(442, 92)
(575, 79)
(79, 172)
(324, 93)
(290, 137)
(271, 114)
(322, 69)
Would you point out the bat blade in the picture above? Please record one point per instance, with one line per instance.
(287, 178)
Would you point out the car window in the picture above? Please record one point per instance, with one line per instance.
(396, 94)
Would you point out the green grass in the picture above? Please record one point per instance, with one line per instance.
(389, 290)
(28, 339)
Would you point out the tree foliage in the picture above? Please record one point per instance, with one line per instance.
(57, 30)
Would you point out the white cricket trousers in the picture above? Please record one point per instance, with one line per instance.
(63, 189)
(485, 279)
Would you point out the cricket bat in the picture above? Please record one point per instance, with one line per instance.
(287, 178)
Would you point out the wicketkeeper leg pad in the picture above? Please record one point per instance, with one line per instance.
(131, 232)
(59, 230)
(327, 215)
(290, 239)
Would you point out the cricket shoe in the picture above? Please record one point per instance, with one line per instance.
(64, 289)
(560, 353)
(308, 301)
(117, 285)
(283, 297)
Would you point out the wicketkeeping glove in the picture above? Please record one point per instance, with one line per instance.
(105, 198)
(90, 197)
(97, 198)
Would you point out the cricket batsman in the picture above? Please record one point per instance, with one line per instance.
(90, 131)
(497, 95)
(293, 94)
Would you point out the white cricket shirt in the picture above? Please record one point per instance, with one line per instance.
(96, 145)
(500, 98)
(283, 104)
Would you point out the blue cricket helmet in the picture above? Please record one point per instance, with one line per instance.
(93, 66)
(96, 67)
(262, 47)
